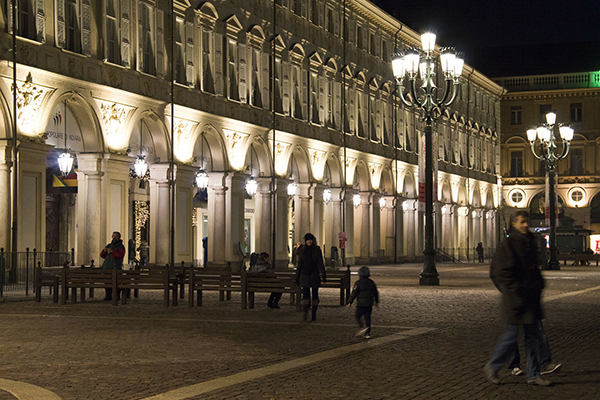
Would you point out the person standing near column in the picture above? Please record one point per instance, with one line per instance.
(308, 275)
(515, 270)
(113, 255)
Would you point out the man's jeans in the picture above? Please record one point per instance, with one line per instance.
(545, 353)
(506, 344)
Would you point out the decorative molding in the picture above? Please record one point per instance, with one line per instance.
(375, 172)
(317, 162)
(114, 116)
(29, 102)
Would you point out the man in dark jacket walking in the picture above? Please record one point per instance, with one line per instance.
(308, 275)
(365, 292)
(515, 272)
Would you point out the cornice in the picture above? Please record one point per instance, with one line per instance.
(551, 94)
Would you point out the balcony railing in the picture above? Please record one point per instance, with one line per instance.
(548, 82)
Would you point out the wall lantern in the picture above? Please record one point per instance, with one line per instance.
(202, 176)
(382, 202)
(327, 195)
(65, 159)
(356, 200)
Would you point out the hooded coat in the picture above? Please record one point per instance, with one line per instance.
(115, 259)
(310, 264)
(515, 270)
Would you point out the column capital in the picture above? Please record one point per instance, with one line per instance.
(160, 172)
(90, 163)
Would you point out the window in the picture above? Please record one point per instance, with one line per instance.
(359, 36)
(179, 56)
(232, 80)
(146, 40)
(576, 162)
(384, 51)
(517, 196)
(72, 28)
(330, 21)
(26, 23)
(372, 45)
(314, 102)
(296, 92)
(372, 120)
(544, 109)
(113, 53)
(330, 116)
(576, 195)
(297, 7)
(314, 12)
(255, 98)
(207, 74)
(516, 163)
(576, 112)
(516, 115)
(277, 89)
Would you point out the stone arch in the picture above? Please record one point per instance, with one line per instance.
(361, 176)
(261, 157)
(445, 193)
(386, 182)
(298, 50)
(333, 168)
(331, 63)
(299, 164)
(208, 10)
(85, 114)
(595, 209)
(410, 189)
(475, 196)
(462, 195)
(157, 132)
(6, 120)
(215, 155)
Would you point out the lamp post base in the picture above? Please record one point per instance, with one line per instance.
(553, 265)
(429, 275)
(429, 280)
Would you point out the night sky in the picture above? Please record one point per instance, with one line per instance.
(510, 37)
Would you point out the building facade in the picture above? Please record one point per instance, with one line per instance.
(576, 100)
(296, 92)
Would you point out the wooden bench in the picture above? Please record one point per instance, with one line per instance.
(221, 280)
(277, 282)
(47, 277)
(577, 258)
(339, 279)
(86, 278)
(146, 279)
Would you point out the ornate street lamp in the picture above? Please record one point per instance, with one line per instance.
(140, 167)
(202, 176)
(291, 189)
(543, 135)
(382, 202)
(251, 184)
(65, 159)
(410, 64)
(327, 195)
(356, 200)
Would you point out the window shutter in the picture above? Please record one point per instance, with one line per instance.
(351, 111)
(243, 54)
(86, 27)
(351, 26)
(140, 39)
(9, 15)
(264, 79)
(322, 10)
(40, 22)
(218, 60)
(125, 34)
(336, 22)
(285, 67)
(304, 95)
(321, 99)
(60, 24)
(160, 43)
(189, 53)
(337, 106)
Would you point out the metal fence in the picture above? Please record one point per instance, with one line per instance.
(17, 270)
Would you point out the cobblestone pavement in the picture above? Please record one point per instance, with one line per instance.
(428, 343)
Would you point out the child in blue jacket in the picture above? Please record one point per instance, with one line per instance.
(365, 292)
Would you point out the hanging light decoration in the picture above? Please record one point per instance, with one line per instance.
(382, 202)
(251, 184)
(140, 167)
(291, 189)
(356, 200)
(65, 159)
(327, 195)
(202, 176)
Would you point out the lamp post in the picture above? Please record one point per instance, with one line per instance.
(424, 61)
(543, 135)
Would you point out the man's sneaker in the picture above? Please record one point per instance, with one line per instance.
(368, 336)
(516, 371)
(491, 375)
(551, 368)
(539, 381)
(362, 331)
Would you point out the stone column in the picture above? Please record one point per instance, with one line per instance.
(282, 208)
(333, 221)
(263, 201)
(216, 220)
(5, 195)
(410, 233)
(366, 232)
(160, 214)
(349, 207)
(89, 179)
(234, 219)
(375, 246)
(184, 197)
(302, 213)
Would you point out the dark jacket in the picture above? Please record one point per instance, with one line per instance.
(261, 266)
(515, 272)
(115, 259)
(310, 264)
(365, 292)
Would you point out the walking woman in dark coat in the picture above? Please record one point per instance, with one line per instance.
(308, 274)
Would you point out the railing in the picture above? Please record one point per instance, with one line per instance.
(462, 254)
(546, 82)
(17, 269)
